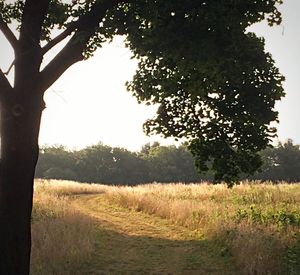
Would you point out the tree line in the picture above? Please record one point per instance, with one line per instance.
(153, 163)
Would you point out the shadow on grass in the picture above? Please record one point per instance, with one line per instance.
(117, 253)
(61, 244)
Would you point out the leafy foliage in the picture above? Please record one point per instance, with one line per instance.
(293, 255)
(280, 218)
(281, 162)
(214, 83)
(105, 164)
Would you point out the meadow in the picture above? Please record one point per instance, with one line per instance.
(252, 228)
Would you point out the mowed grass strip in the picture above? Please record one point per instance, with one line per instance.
(109, 239)
(138, 243)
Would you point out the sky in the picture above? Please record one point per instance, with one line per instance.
(90, 104)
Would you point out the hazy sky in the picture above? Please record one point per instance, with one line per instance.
(89, 103)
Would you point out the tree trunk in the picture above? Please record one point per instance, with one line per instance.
(20, 123)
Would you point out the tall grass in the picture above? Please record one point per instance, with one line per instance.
(257, 224)
(62, 238)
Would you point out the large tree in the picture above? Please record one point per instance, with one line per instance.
(214, 83)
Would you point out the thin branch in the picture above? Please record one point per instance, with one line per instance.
(10, 67)
(85, 21)
(59, 38)
(8, 34)
(68, 56)
(73, 50)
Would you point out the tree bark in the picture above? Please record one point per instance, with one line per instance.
(20, 123)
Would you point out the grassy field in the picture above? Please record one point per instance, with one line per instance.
(166, 229)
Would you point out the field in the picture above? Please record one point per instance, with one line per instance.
(166, 229)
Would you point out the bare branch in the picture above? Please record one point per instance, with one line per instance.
(69, 55)
(59, 38)
(11, 38)
(10, 67)
(72, 52)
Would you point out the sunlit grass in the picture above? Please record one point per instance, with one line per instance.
(257, 225)
(255, 222)
(62, 238)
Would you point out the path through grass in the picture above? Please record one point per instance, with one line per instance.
(165, 229)
(130, 242)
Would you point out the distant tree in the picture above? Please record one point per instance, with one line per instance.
(104, 164)
(108, 165)
(129, 168)
(60, 174)
(57, 157)
(281, 163)
(213, 81)
(147, 147)
(95, 163)
(171, 164)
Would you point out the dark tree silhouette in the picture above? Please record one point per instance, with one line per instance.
(154, 163)
(281, 163)
(214, 83)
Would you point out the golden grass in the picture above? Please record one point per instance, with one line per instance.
(67, 188)
(255, 222)
(62, 238)
(256, 225)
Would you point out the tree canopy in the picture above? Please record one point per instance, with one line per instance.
(104, 164)
(214, 83)
(212, 79)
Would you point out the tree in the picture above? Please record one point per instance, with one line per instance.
(215, 85)
(171, 164)
(56, 162)
(104, 164)
(281, 163)
(219, 91)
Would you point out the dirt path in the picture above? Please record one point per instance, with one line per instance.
(131, 242)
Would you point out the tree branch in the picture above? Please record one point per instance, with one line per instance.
(69, 55)
(59, 38)
(10, 67)
(72, 52)
(5, 86)
(90, 19)
(8, 34)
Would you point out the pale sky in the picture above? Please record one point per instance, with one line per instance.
(89, 103)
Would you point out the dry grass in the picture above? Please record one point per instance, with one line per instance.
(255, 222)
(62, 238)
(256, 225)
(67, 188)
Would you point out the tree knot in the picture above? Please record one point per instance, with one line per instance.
(17, 110)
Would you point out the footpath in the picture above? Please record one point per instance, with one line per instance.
(130, 242)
